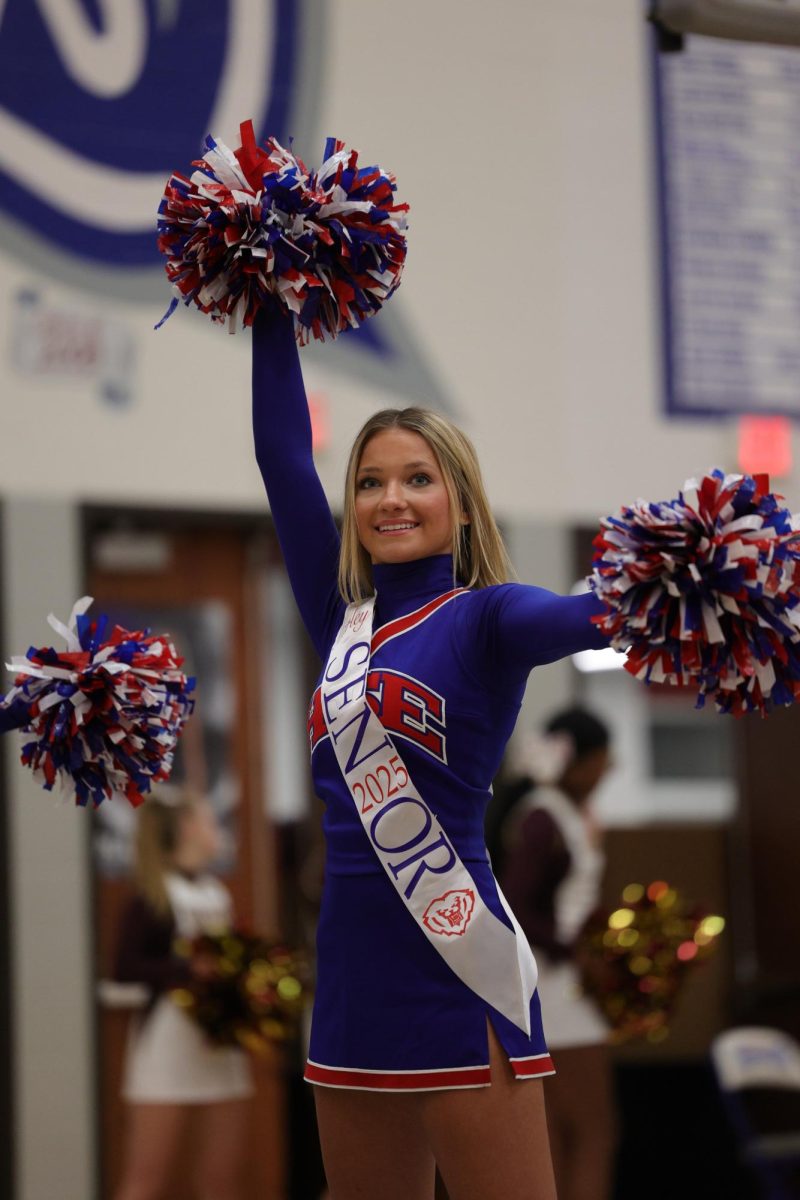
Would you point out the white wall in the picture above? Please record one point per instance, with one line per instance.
(49, 889)
(519, 132)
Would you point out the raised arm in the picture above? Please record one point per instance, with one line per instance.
(514, 628)
(282, 431)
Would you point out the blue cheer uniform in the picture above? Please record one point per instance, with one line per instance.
(446, 679)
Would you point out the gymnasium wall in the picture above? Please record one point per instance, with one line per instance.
(520, 134)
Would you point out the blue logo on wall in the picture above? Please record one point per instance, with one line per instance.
(100, 100)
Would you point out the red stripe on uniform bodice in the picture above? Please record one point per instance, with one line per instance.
(402, 624)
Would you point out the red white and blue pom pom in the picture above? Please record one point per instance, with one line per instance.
(253, 226)
(705, 591)
(106, 712)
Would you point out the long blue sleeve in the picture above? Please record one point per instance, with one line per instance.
(282, 431)
(508, 630)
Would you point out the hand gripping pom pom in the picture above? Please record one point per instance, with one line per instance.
(253, 226)
(704, 591)
(105, 715)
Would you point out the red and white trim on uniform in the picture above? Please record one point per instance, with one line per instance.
(362, 1080)
(533, 1067)
(393, 629)
(438, 1080)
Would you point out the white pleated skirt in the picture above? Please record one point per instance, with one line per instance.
(169, 1061)
(569, 1017)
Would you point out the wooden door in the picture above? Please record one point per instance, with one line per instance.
(766, 848)
(199, 582)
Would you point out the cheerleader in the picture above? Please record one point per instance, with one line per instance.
(426, 1041)
(171, 1071)
(552, 876)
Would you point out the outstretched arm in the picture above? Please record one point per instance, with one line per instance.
(282, 431)
(538, 626)
(514, 628)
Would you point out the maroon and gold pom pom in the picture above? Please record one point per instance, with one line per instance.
(244, 990)
(636, 960)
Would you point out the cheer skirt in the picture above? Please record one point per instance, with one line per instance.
(169, 1061)
(389, 1014)
(570, 1018)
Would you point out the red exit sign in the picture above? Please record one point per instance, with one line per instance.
(765, 446)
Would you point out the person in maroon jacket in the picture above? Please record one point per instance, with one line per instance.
(551, 876)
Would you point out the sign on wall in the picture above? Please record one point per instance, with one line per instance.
(728, 141)
(68, 343)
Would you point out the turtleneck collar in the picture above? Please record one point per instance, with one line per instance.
(402, 587)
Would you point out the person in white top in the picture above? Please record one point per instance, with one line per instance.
(171, 1071)
(552, 875)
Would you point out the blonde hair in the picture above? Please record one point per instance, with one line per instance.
(479, 555)
(157, 832)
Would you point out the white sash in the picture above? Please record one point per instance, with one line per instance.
(413, 849)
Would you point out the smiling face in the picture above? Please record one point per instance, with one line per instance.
(402, 507)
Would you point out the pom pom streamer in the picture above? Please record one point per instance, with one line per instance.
(105, 715)
(704, 591)
(253, 226)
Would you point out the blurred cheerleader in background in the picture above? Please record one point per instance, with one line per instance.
(551, 872)
(172, 1071)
